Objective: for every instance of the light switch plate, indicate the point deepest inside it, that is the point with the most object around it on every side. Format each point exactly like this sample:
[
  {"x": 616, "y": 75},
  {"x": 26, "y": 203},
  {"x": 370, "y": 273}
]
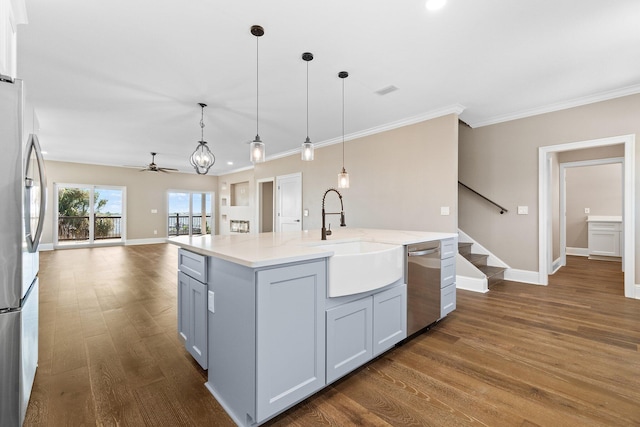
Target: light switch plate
[
  {"x": 154, "y": 210},
  {"x": 444, "y": 210},
  {"x": 523, "y": 210},
  {"x": 587, "y": 210}
]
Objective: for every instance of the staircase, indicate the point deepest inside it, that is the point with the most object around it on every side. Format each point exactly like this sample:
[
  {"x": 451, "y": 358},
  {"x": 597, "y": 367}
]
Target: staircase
[{"x": 494, "y": 274}]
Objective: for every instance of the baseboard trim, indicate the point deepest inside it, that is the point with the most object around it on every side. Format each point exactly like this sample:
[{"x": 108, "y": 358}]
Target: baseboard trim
[
  {"x": 133, "y": 242},
  {"x": 524, "y": 276},
  {"x": 472, "y": 284},
  {"x": 637, "y": 291},
  {"x": 555, "y": 266},
  {"x": 578, "y": 251}
]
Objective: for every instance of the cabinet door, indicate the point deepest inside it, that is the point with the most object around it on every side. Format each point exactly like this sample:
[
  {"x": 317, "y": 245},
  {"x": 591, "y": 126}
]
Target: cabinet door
[
  {"x": 606, "y": 243},
  {"x": 183, "y": 307},
  {"x": 198, "y": 338},
  {"x": 349, "y": 337},
  {"x": 290, "y": 335},
  {"x": 389, "y": 318}
]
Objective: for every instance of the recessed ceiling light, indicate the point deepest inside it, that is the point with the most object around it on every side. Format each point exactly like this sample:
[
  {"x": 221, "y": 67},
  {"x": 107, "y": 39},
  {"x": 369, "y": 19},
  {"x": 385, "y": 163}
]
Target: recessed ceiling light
[
  {"x": 229, "y": 163},
  {"x": 435, "y": 4},
  {"x": 386, "y": 90}
]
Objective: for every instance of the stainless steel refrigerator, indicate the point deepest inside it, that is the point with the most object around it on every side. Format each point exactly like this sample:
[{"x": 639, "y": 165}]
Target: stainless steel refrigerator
[{"x": 22, "y": 206}]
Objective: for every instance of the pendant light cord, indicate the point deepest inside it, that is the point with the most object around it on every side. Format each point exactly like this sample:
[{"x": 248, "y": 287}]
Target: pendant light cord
[
  {"x": 257, "y": 86},
  {"x": 202, "y": 125},
  {"x": 307, "y": 100},
  {"x": 343, "y": 124}
]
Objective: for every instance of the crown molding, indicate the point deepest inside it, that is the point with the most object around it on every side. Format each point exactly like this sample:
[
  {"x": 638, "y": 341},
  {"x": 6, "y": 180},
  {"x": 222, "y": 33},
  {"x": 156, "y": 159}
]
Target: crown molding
[
  {"x": 433, "y": 114},
  {"x": 577, "y": 102}
]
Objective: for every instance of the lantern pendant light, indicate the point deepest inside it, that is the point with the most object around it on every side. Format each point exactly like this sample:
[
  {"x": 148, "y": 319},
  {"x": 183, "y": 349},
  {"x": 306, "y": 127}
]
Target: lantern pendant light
[
  {"x": 307, "y": 145},
  {"x": 257, "y": 153},
  {"x": 202, "y": 158},
  {"x": 343, "y": 177}
]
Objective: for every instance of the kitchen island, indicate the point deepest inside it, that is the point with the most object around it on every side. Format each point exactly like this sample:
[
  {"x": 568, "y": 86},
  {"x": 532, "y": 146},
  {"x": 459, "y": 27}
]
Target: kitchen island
[{"x": 255, "y": 310}]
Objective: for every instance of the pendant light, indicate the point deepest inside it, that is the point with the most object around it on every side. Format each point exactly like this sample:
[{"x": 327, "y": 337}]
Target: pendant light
[
  {"x": 257, "y": 153},
  {"x": 343, "y": 177},
  {"x": 202, "y": 158},
  {"x": 307, "y": 145}
]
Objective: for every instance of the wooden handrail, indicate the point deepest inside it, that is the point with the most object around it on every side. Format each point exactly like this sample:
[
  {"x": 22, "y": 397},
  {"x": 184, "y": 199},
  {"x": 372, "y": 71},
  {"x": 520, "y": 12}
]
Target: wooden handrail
[{"x": 502, "y": 209}]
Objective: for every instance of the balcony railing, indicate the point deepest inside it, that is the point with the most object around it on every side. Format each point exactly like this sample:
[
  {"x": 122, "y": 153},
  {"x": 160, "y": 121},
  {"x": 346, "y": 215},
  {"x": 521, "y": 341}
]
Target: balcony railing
[
  {"x": 76, "y": 228},
  {"x": 179, "y": 225}
]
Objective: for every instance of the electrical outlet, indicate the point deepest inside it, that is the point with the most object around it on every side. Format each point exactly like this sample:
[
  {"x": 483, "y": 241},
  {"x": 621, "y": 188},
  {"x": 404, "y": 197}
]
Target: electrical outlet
[
  {"x": 155, "y": 231},
  {"x": 210, "y": 302},
  {"x": 587, "y": 210},
  {"x": 444, "y": 210},
  {"x": 523, "y": 210},
  {"x": 154, "y": 210}
]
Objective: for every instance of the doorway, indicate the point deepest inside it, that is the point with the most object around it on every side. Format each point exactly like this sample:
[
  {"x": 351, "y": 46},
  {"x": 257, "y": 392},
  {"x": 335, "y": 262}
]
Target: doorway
[
  {"x": 190, "y": 213},
  {"x": 266, "y": 201},
  {"x": 89, "y": 215},
  {"x": 589, "y": 187},
  {"x": 545, "y": 251}
]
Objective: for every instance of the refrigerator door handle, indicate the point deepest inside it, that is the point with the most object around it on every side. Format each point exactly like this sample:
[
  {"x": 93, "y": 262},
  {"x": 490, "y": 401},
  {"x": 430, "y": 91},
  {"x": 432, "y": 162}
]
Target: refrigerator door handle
[{"x": 33, "y": 240}]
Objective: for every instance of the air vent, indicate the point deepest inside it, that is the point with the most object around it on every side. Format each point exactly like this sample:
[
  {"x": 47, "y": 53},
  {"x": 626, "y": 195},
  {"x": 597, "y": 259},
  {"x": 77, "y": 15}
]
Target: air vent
[{"x": 386, "y": 90}]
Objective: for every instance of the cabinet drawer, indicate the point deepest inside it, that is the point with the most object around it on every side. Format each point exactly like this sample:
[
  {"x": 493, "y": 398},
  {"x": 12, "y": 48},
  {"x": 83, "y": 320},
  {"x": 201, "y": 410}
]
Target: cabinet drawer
[
  {"x": 447, "y": 272},
  {"x": 448, "y": 249},
  {"x": 193, "y": 265},
  {"x": 605, "y": 226},
  {"x": 447, "y": 299}
]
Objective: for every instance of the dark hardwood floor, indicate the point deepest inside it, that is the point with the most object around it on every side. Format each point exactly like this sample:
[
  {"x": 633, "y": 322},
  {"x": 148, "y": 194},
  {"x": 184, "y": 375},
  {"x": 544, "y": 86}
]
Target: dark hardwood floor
[{"x": 566, "y": 354}]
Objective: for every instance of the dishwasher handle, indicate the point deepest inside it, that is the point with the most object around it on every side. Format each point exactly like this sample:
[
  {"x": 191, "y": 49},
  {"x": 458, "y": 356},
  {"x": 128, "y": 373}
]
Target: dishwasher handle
[{"x": 423, "y": 252}]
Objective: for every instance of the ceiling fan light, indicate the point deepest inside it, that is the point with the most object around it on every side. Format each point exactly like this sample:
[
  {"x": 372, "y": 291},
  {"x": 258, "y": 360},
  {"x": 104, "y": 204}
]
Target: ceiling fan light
[
  {"x": 257, "y": 153},
  {"x": 307, "y": 150},
  {"x": 202, "y": 158}
]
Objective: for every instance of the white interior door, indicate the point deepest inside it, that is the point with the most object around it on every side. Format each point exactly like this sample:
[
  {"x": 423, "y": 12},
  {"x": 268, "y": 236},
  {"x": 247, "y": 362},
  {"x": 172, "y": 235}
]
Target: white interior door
[{"x": 289, "y": 202}]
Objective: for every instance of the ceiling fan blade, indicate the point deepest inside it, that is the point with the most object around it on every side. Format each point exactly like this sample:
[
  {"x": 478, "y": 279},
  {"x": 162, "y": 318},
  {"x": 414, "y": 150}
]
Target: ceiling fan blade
[{"x": 167, "y": 169}]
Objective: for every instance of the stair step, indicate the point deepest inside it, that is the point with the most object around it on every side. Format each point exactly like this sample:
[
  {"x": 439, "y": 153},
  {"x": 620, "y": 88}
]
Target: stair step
[
  {"x": 464, "y": 248},
  {"x": 494, "y": 274},
  {"x": 478, "y": 260}
]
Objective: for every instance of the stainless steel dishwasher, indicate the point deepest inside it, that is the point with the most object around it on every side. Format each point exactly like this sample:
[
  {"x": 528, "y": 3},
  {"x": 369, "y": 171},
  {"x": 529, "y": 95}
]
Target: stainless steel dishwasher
[{"x": 423, "y": 285}]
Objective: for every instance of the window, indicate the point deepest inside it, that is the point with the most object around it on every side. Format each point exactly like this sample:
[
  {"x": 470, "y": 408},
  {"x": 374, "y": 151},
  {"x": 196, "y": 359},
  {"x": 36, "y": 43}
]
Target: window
[
  {"x": 190, "y": 213},
  {"x": 89, "y": 215}
]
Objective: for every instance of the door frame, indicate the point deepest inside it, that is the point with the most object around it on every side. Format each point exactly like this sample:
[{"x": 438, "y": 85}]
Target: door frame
[
  {"x": 563, "y": 199},
  {"x": 545, "y": 240}
]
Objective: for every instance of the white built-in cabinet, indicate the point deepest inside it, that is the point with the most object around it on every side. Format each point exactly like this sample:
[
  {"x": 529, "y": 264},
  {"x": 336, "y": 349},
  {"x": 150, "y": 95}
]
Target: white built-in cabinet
[
  {"x": 605, "y": 236},
  {"x": 192, "y": 305}
]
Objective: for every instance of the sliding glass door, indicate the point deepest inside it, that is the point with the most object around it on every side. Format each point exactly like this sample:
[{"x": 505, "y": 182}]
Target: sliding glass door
[
  {"x": 190, "y": 213},
  {"x": 89, "y": 215}
]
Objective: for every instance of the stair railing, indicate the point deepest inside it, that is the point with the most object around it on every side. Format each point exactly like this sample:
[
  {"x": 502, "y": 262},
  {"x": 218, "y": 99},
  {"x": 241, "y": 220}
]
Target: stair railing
[{"x": 502, "y": 209}]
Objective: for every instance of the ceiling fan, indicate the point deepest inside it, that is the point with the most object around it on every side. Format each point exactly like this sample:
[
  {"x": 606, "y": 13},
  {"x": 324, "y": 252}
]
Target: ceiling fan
[{"x": 152, "y": 167}]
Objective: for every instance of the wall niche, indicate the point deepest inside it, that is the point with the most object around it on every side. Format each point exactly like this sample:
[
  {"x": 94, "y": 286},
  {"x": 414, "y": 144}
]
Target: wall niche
[{"x": 240, "y": 194}]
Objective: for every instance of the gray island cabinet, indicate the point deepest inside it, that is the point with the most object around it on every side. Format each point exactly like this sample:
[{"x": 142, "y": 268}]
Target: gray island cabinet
[
  {"x": 266, "y": 336},
  {"x": 273, "y": 335}
]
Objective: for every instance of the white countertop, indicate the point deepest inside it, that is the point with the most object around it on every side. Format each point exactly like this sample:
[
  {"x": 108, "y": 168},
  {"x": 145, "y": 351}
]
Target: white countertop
[
  {"x": 266, "y": 249},
  {"x": 600, "y": 218}
]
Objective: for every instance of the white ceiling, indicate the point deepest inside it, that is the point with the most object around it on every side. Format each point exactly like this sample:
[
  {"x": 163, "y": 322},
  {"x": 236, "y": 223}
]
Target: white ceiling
[{"x": 113, "y": 80}]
